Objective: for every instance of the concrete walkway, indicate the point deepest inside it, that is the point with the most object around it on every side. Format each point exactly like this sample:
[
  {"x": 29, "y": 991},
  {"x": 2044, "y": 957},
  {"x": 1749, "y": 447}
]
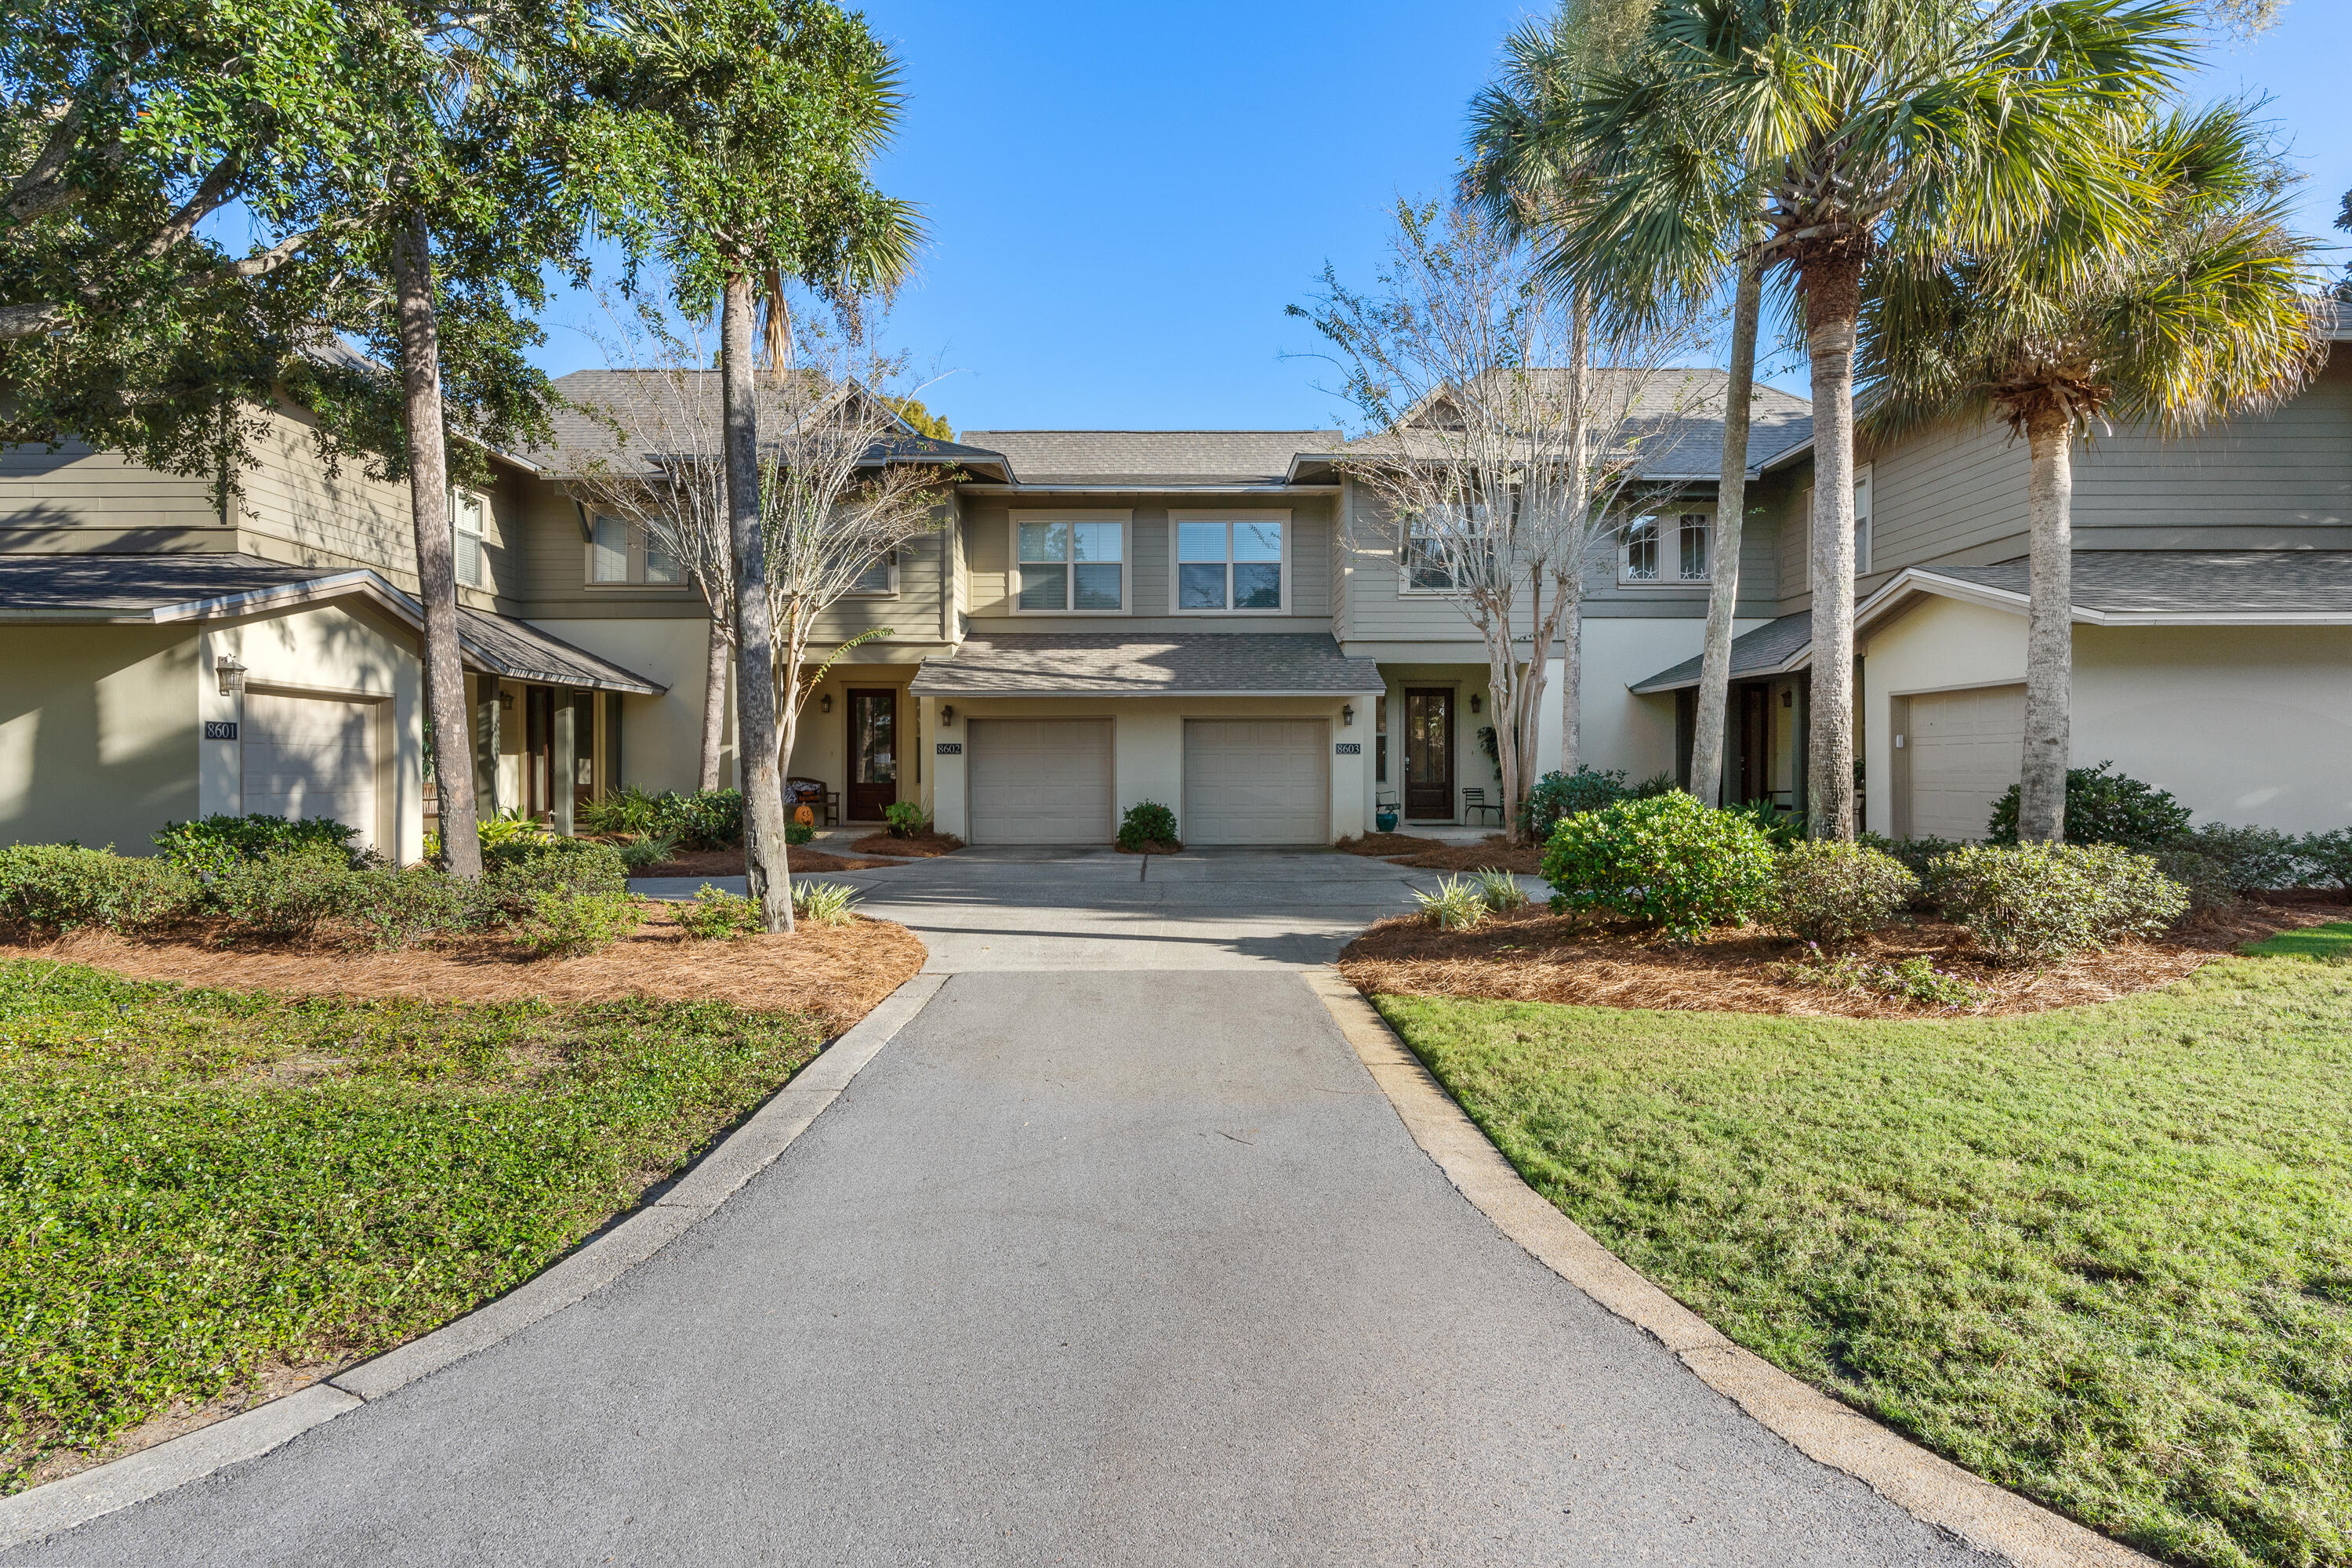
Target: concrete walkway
[{"x": 1096, "y": 1263}]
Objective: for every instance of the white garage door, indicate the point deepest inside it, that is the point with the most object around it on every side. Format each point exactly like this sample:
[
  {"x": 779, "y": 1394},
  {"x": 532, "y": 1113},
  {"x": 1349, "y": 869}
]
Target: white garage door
[
  {"x": 1256, "y": 781},
  {"x": 1039, "y": 781},
  {"x": 1964, "y": 751},
  {"x": 311, "y": 756}
]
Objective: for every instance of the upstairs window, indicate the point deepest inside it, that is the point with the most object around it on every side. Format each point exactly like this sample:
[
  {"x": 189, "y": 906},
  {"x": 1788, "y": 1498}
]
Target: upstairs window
[
  {"x": 620, "y": 553},
  {"x": 1436, "y": 546},
  {"x": 466, "y": 536},
  {"x": 882, "y": 577},
  {"x": 1660, "y": 548},
  {"x": 1229, "y": 563},
  {"x": 1069, "y": 565}
]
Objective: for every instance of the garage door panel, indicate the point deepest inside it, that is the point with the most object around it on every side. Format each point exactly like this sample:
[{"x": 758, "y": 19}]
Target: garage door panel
[
  {"x": 1965, "y": 749},
  {"x": 1256, "y": 781},
  {"x": 1039, "y": 781},
  {"x": 310, "y": 756}
]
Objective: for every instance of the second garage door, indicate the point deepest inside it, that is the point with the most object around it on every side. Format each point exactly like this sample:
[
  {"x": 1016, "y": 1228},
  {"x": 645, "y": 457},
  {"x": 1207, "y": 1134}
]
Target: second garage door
[
  {"x": 310, "y": 756},
  {"x": 1256, "y": 781},
  {"x": 1039, "y": 781},
  {"x": 1963, "y": 751}
]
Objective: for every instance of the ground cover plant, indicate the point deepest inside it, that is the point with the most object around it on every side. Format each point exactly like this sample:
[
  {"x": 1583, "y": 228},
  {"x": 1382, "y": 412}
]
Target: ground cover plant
[
  {"x": 2100, "y": 1255},
  {"x": 201, "y": 1185}
]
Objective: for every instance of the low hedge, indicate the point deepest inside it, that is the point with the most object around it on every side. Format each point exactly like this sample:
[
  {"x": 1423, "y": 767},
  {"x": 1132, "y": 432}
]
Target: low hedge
[
  {"x": 1667, "y": 861},
  {"x": 1827, "y": 891},
  {"x": 64, "y": 887},
  {"x": 2039, "y": 903}
]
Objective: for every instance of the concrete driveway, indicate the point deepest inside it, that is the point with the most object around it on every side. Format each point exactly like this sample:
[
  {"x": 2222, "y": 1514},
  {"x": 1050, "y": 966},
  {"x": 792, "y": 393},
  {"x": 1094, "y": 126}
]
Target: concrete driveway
[{"x": 1116, "y": 1254}]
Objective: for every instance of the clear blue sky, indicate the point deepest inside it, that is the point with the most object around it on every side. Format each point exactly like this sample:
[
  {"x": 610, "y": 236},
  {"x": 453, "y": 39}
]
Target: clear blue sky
[{"x": 1122, "y": 198}]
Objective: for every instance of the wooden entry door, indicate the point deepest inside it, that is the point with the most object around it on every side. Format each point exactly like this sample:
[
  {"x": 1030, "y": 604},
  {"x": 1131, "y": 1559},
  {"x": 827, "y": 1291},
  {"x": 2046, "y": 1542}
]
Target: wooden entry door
[
  {"x": 1429, "y": 752},
  {"x": 872, "y": 753},
  {"x": 1755, "y": 744}
]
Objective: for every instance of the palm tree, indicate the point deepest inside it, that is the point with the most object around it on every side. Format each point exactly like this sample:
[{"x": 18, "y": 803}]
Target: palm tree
[
  {"x": 1865, "y": 128},
  {"x": 2198, "y": 304}
]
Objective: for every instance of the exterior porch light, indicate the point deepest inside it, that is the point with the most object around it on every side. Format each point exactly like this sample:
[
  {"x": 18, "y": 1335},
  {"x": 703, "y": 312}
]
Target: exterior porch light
[
  {"x": 232, "y": 676},
  {"x": 1477, "y": 701},
  {"x": 824, "y": 704},
  {"x": 947, "y": 714},
  {"x": 1347, "y": 713}
]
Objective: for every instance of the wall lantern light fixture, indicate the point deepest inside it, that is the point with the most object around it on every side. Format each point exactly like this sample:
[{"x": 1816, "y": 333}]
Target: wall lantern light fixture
[
  {"x": 947, "y": 714},
  {"x": 232, "y": 676},
  {"x": 1476, "y": 702},
  {"x": 1347, "y": 713},
  {"x": 824, "y": 704}
]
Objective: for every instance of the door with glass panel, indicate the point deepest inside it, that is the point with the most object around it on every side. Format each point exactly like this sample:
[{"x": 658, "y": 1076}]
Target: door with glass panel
[
  {"x": 1429, "y": 752},
  {"x": 872, "y": 753},
  {"x": 1229, "y": 563},
  {"x": 1072, "y": 564}
]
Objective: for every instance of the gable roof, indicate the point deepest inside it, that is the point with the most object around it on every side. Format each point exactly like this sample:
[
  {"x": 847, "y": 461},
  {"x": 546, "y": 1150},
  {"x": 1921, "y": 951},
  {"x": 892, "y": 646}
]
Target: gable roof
[
  {"x": 167, "y": 589},
  {"x": 1152, "y": 457}
]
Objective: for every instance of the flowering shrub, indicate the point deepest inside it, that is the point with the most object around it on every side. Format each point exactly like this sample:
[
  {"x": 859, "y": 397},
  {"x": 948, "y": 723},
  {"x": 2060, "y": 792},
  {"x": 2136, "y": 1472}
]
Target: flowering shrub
[{"x": 1667, "y": 860}]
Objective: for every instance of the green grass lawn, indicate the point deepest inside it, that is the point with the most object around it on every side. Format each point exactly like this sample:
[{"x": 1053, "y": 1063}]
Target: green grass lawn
[
  {"x": 2102, "y": 1255},
  {"x": 196, "y": 1184}
]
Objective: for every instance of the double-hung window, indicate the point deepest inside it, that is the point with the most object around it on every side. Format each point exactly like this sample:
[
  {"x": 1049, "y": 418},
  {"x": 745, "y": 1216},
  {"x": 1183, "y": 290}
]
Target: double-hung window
[
  {"x": 623, "y": 552},
  {"x": 1229, "y": 563},
  {"x": 1667, "y": 548},
  {"x": 1069, "y": 564},
  {"x": 466, "y": 535},
  {"x": 882, "y": 577},
  {"x": 1439, "y": 545}
]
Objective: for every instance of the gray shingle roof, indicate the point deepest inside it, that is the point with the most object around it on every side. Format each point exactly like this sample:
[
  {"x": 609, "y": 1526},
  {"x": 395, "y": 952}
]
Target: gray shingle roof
[
  {"x": 1764, "y": 649},
  {"x": 1132, "y": 664},
  {"x": 2191, "y": 582},
  {"x": 1152, "y": 456},
  {"x": 185, "y": 587}
]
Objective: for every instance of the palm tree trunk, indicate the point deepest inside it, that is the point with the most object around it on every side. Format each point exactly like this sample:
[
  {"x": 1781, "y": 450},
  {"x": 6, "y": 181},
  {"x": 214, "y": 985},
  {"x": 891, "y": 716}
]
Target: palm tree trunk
[
  {"x": 436, "y": 564},
  {"x": 1731, "y": 509},
  {"x": 765, "y": 867},
  {"x": 1571, "y": 671},
  {"x": 714, "y": 703},
  {"x": 2049, "y": 631},
  {"x": 1832, "y": 290}
]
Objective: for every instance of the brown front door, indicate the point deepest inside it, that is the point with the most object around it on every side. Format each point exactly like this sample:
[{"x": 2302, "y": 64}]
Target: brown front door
[
  {"x": 872, "y": 753},
  {"x": 1429, "y": 753},
  {"x": 538, "y": 750},
  {"x": 1755, "y": 744}
]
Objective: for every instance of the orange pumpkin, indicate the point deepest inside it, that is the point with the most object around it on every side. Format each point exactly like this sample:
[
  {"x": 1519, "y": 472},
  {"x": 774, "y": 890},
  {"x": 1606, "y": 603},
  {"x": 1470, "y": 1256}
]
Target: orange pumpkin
[{"x": 804, "y": 816}]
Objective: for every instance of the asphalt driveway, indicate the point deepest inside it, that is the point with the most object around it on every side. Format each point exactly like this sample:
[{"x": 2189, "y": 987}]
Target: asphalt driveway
[{"x": 1094, "y": 1264}]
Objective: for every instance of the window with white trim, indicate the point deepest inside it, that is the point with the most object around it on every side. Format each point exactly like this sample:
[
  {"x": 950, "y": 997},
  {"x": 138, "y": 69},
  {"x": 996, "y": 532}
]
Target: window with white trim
[
  {"x": 881, "y": 578},
  {"x": 1662, "y": 547},
  {"x": 1229, "y": 563},
  {"x": 466, "y": 535},
  {"x": 622, "y": 553},
  {"x": 1432, "y": 543},
  {"x": 1068, "y": 565}
]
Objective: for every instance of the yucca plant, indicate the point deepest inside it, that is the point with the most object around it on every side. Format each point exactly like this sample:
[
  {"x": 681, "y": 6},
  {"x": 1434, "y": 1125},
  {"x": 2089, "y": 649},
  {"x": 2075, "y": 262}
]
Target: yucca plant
[
  {"x": 1499, "y": 890},
  {"x": 1454, "y": 906},
  {"x": 824, "y": 903}
]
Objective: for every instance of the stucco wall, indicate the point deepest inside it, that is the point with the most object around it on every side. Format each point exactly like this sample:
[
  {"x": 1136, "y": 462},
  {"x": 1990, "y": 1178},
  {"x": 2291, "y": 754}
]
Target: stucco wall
[
  {"x": 97, "y": 733},
  {"x": 661, "y": 737},
  {"x": 1937, "y": 645},
  {"x": 329, "y": 651},
  {"x": 1148, "y": 748}
]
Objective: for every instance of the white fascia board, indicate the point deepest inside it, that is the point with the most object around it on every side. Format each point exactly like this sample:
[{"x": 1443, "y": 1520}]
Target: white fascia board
[
  {"x": 1101, "y": 694},
  {"x": 1919, "y": 580},
  {"x": 334, "y": 585}
]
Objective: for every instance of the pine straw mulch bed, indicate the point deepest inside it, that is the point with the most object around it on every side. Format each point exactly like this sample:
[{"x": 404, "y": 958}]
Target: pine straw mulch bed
[
  {"x": 835, "y": 975},
  {"x": 730, "y": 863},
  {"x": 1533, "y": 955},
  {"x": 917, "y": 846},
  {"x": 1493, "y": 852}
]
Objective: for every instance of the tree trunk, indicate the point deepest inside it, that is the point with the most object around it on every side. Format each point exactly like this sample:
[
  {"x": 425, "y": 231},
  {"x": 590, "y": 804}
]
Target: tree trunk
[
  {"x": 437, "y": 565},
  {"x": 1579, "y": 461},
  {"x": 765, "y": 865},
  {"x": 1730, "y": 514},
  {"x": 1571, "y": 672},
  {"x": 714, "y": 703},
  {"x": 1832, "y": 302},
  {"x": 2049, "y": 631}
]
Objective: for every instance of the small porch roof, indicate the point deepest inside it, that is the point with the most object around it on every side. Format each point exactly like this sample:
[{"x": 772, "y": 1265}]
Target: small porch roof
[
  {"x": 160, "y": 589},
  {"x": 1132, "y": 664},
  {"x": 2111, "y": 588}
]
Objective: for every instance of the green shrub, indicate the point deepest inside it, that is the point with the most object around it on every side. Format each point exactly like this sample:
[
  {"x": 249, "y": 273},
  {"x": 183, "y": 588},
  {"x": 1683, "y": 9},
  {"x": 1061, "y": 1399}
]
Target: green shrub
[
  {"x": 1913, "y": 980},
  {"x": 2038, "y": 903},
  {"x": 1832, "y": 892},
  {"x": 210, "y": 843},
  {"x": 2206, "y": 880},
  {"x": 646, "y": 851},
  {"x": 1146, "y": 825},
  {"x": 574, "y": 924},
  {"x": 798, "y": 833},
  {"x": 1666, "y": 860},
  {"x": 707, "y": 819},
  {"x": 627, "y": 810},
  {"x": 1454, "y": 906},
  {"x": 64, "y": 887},
  {"x": 1913, "y": 854},
  {"x": 1558, "y": 794},
  {"x": 298, "y": 895},
  {"x": 1499, "y": 890},
  {"x": 718, "y": 915},
  {"x": 1778, "y": 823},
  {"x": 2251, "y": 860},
  {"x": 2327, "y": 858},
  {"x": 906, "y": 818},
  {"x": 396, "y": 906},
  {"x": 2103, "y": 807},
  {"x": 510, "y": 832},
  {"x": 823, "y": 904}
]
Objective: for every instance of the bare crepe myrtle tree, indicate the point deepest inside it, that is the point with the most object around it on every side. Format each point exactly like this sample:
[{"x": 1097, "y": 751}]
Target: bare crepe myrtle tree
[
  {"x": 845, "y": 485},
  {"x": 659, "y": 467},
  {"x": 1498, "y": 446}
]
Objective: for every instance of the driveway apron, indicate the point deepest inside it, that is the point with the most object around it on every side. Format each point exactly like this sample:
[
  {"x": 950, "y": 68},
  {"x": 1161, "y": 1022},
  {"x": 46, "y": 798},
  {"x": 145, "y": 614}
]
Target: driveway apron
[{"x": 1096, "y": 1263}]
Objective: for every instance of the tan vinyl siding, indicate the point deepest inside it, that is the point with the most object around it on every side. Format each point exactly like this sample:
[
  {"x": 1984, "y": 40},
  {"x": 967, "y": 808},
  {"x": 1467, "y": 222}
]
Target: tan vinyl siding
[
  {"x": 987, "y": 547},
  {"x": 912, "y": 613},
  {"x": 75, "y": 498}
]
